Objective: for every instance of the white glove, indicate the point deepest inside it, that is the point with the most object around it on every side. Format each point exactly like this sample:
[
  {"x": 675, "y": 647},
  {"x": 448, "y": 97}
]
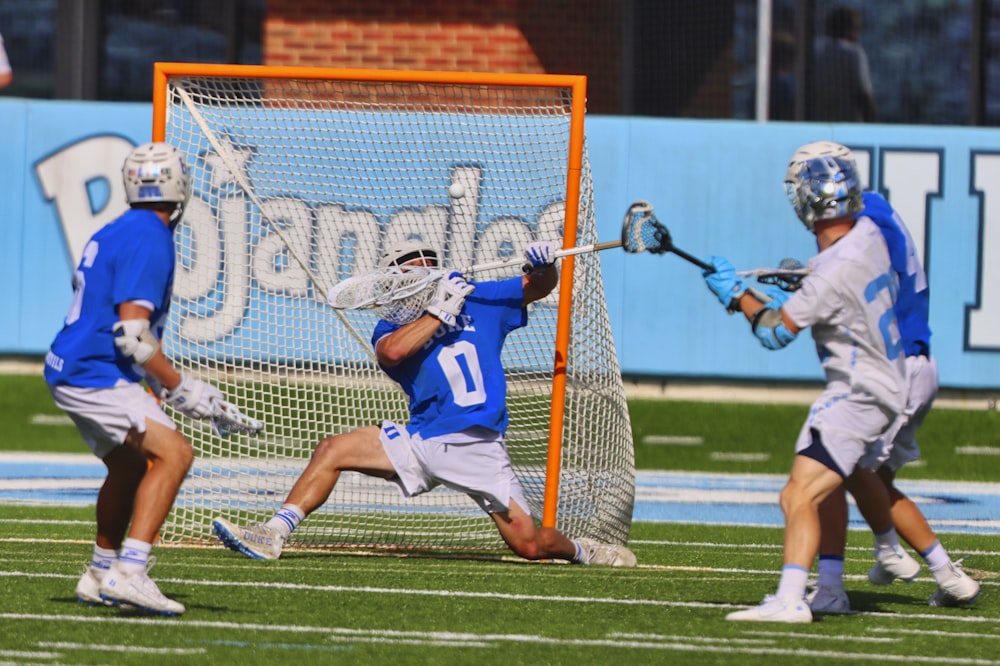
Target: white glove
[
  {"x": 192, "y": 398},
  {"x": 539, "y": 256},
  {"x": 449, "y": 298}
]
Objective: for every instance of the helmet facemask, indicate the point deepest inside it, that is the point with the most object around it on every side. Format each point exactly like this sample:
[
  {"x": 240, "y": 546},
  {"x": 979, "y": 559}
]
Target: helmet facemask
[{"x": 824, "y": 186}]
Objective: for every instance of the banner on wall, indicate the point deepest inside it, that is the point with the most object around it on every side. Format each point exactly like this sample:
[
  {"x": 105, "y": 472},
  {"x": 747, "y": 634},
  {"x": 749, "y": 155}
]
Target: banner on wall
[{"x": 716, "y": 184}]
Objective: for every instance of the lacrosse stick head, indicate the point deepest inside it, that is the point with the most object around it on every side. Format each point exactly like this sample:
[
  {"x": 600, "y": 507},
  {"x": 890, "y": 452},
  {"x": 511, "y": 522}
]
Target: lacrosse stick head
[
  {"x": 642, "y": 232},
  {"x": 822, "y": 183},
  {"x": 788, "y": 276},
  {"x": 398, "y": 294}
]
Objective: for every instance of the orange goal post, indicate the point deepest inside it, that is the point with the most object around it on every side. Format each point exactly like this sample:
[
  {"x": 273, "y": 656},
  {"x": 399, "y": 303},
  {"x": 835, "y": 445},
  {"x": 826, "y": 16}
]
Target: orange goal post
[{"x": 301, "y": 176}]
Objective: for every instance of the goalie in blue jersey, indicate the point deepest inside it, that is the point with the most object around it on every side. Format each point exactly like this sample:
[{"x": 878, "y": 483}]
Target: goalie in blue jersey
[
  {"x": 448, "y": 362},
  {"x": 109, "y": 344}
]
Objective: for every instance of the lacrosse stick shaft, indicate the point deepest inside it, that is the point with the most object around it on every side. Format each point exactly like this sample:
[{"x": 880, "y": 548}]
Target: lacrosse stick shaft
[
  {"x": 693, "y": 259},
  {"x": 580, "y": 249}
]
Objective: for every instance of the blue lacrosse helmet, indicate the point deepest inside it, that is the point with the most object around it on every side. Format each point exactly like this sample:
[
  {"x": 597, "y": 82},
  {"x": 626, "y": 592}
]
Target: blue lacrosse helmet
[{"x": 822, "y": 183}]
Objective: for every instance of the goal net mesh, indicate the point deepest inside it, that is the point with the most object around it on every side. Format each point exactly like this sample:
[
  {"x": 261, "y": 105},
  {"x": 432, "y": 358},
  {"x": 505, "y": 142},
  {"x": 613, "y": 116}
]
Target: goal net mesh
[{"x": 299, "y": 183}]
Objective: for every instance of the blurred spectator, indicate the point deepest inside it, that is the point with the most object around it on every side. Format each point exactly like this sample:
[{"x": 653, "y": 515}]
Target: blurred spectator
[
  {"x": 841, "y": 86},
  {"x": 6, "y": 73}
]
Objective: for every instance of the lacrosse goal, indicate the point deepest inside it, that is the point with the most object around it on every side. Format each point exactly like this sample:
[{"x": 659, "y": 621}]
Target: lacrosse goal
[{"x": 301, "y": 176}]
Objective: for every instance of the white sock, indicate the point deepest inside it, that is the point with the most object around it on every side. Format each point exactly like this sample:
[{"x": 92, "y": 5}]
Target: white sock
[
  {"x": 134, "y": 555},
  {"x": 937, "y": 559},
  {"x": 886, "y": 543},
  {"x": 287, "y": 519},
  {"x": 793, "y": 581},
  {"x": 103, "y": 558}
]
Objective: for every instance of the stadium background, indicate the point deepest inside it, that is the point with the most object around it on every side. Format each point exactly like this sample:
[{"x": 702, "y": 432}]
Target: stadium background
[{"x": 670, "y": 101}]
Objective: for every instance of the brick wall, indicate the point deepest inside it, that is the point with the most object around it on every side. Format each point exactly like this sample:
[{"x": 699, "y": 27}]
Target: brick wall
[{"x": 522, "y": 36}]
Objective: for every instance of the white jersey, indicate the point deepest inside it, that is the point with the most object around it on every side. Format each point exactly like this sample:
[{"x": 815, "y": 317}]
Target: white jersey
[{"x": 847, "y": 300}]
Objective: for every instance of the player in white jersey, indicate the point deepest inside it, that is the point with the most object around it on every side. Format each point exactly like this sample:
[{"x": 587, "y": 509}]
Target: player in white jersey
[
  {"x": 847, "y": 300},
  {"x": 448, "y": 362},
  {"x": 109, "y": 343},
  {"x": 955, "y": 587}
]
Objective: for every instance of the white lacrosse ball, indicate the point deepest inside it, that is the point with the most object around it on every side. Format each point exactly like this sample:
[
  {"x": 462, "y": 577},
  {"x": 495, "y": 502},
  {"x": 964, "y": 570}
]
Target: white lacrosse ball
[{"x": 456, "y": 191}]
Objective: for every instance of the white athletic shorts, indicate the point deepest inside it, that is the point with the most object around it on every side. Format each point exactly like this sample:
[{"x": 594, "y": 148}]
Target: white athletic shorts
[
  {"x": 849, "y": 430},
  {"x": 105, "y": 415},
  {"x": 923, "y": 388},
  {"x": 474, "y": 462}
]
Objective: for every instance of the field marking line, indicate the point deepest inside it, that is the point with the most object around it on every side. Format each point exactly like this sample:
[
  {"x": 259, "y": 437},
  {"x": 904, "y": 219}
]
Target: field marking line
[{"x": 465, "y": 640}]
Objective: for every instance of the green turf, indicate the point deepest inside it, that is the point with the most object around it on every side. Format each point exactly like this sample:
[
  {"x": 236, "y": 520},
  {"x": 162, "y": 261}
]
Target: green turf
[
  {"x": 317, "y": 607},
  {"x": 321, "y": 607}
]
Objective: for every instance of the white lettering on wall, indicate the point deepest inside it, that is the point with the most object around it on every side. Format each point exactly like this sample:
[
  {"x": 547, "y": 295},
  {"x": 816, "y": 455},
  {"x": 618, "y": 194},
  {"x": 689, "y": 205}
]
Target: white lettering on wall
[
  {"x": 983, "y": 319},
  {"x": 65, "y": 177},
  {"x": 911, "y": 179}
]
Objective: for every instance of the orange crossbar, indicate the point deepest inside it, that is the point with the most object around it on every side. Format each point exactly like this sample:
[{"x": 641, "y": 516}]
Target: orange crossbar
[{"x": 162, "y": 71}]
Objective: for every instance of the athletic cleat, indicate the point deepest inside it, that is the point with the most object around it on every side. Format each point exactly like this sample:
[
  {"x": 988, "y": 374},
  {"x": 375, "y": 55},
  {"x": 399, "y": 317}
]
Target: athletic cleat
[
  {"x": 829, "y": 601},
  {"x": 258, "y": 542},
  {"x": 88, "y": 590},
  {"x": 594, "y": 552},
  {"x": 137, "y": 590},
  {"x": 958, "y": 588},
  {"x": 896, "y": 565},
  {"x": 790, "y": 609}
]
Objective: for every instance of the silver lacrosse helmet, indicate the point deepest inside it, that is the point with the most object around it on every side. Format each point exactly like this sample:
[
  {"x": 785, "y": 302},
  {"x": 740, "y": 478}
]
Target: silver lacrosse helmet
[
  {"x": 156, "y": 172},
  {"x": 822, "y": 182},
  {"x": 405, "y": 251}
]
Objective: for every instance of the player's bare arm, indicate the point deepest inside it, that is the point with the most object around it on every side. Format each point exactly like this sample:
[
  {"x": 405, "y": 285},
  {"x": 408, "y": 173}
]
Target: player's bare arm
[{"x": 402, "y": 343}]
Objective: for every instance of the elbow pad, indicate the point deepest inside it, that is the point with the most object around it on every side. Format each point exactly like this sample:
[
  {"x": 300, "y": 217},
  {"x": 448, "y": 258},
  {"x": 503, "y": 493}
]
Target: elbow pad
[
  {"x": 770, "y": 330},
  {"x": 135, "y": 341}
]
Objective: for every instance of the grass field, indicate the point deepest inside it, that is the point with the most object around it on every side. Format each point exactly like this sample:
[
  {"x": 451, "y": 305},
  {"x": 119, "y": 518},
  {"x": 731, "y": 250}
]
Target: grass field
[{"x": 320, "y": 607}]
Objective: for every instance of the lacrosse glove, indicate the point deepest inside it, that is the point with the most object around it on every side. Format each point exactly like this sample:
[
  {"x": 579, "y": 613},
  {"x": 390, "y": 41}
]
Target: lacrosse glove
[
  {"x": 724, "y": 283},
  {"x": 538, "y": 256},
  {"x": 449, "y": 298},
  {"x": 192, "y": 397}
]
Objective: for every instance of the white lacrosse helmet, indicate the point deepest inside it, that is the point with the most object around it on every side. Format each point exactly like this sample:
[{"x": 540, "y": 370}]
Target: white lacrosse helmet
[
  {"x": 406, "y": 251},
  {"x": 822, "y": 183},
  {"x": 156, "y": 172}
]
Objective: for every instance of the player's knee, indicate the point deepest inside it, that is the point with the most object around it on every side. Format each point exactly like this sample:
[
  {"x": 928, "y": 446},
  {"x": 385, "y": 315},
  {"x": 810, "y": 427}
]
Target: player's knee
[
  {"x": 327, "y": 450},
  {"x": 529, "y": 549}
]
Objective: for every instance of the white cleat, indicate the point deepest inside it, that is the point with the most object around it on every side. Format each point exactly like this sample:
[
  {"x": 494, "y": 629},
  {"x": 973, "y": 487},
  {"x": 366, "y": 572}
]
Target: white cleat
[
  {"x": 88, "y": 590},
  {"x": 829, "y": 601},
  {"x": 258, "y": 542},
  {"x": 138, "y": 590},
  {"x": 595, "y": 552},
  {"x": 897, "y": 565},
  {"x": 788, "y": 609},
  {"x": 957, "y": 589}
]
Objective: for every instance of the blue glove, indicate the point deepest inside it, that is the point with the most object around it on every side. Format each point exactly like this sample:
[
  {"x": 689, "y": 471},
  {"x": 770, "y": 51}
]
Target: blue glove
[{"x": 724, "y": 282}]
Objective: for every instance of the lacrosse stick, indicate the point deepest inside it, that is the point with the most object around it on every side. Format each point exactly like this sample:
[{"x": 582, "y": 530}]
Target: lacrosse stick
[
  {"x": 788, "y": 275},
  {"x": 642, "y": 232},
  {"x": 398, "y": 295},
  {"x": 228, "y": 419},
  {"x": 401, "y": 295}
]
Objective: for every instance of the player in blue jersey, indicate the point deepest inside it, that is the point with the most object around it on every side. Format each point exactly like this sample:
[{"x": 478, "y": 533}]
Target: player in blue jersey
[
  {"x": 109, "y": 343},
  {"x": 448, "y": 362},
  {"x": 955, "y": 587},
  {"x": 847, "y": 302}
]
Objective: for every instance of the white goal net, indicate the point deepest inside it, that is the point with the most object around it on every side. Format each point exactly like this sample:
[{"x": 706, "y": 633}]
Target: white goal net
[{"x": 300, "y": 179}]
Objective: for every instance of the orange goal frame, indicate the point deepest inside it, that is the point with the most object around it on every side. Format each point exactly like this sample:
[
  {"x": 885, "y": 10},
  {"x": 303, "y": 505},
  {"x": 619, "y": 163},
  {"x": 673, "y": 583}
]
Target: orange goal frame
[{"x": 163, "y": 71}]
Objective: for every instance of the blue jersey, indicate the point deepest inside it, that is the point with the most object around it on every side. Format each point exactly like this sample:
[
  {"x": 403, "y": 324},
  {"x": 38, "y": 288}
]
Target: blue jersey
[
  {"x": 457, "y": 381},
  {"x": 130, "y": 259},
  {"x": 913, "y": 301}
]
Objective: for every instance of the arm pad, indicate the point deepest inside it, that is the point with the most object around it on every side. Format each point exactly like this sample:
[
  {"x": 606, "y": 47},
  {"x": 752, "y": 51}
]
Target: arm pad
[
  {"x": 769, "y": 328},
  {"x": 135, "y": 341}
]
